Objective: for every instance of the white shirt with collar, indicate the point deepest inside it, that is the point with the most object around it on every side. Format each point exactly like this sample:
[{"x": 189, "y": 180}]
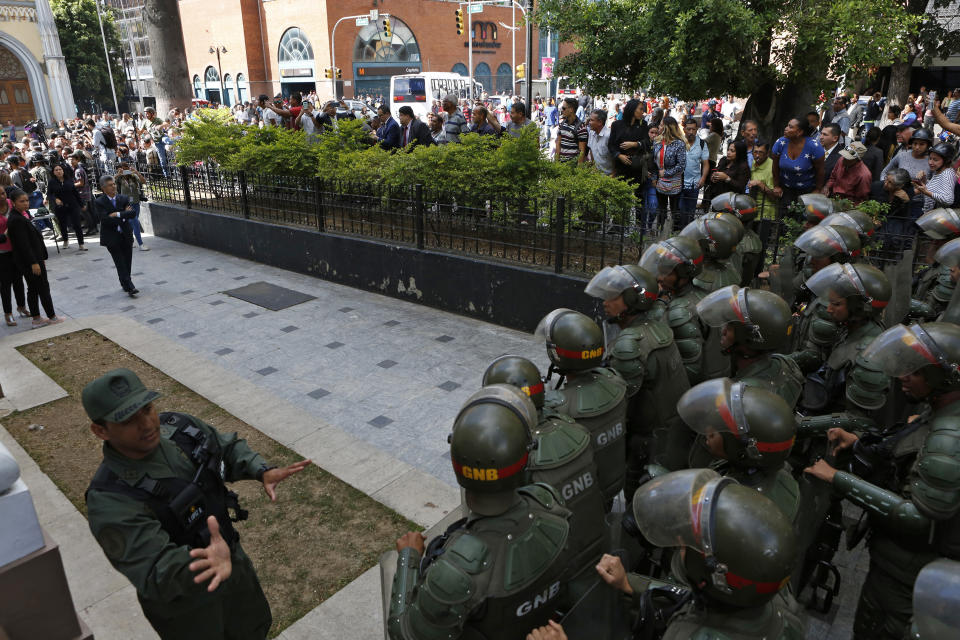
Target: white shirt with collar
[{"x": 599, "y": 149}]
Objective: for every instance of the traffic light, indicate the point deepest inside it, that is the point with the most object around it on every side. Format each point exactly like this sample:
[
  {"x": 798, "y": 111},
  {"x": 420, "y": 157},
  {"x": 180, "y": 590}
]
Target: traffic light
[
  {"x": 328, "y": 73},
  {"x": 386, "y": 27},
  {"x": 459, "y": 22},
  {"x": 339, "y": 73},
  {"x": 521, "y": 71}
]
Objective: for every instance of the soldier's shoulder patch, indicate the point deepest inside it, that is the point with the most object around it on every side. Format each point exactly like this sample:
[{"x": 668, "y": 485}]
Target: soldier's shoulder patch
[{"x": 112, "y": 542}]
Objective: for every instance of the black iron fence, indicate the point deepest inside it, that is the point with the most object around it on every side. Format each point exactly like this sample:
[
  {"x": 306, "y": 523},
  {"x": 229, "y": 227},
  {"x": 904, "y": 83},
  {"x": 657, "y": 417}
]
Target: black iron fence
[{"x": 561, "y": 234}]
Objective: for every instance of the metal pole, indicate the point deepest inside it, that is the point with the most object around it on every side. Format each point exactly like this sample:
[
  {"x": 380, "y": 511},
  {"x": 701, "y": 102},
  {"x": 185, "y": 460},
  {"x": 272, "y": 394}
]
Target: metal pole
[
  {"x": 470, "y": 49},
  {"x": 529, "y": 87},
  {"x": 223, "y": 94},
  {"x": 106, "y": 55},
  {"x": 133, "y": 57},
  {"x": 333, "y": 60},
  {"x": 513, "y": 53}
]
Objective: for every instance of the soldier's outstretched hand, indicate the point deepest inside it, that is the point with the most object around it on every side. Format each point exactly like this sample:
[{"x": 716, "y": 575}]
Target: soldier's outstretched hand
[
  {"x": 273, "y": 477},
  {"x": 213, "y": 562},
  {"x": 552, "y": 631},
  {"x": 611, "y": 570},
  {"x": 411, "y": 539}
]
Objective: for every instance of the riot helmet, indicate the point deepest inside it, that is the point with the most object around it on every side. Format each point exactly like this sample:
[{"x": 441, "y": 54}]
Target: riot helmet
[
  {"x": 740, "y": 548},
  {"x": 717, "y": 236},
  {"x": 637, "y": 286},
  {"x": 680, "y": 254},
  {"x": 945, "y": 151},
  {"x": 816, "y": 207},
  {"x": 490, "y": 446},
  {"x": 949, "y": 254},
  {"x": 866, "y": 289},
  {"x": 922, "y": 135},
  {"x": 931, "y": 348},
  {"x": 761, "y": 320},
  {"x": 829, "y": 241},
  {"x": 936, "y": 601},
  {"x": 859, "y": 221},
  {"x": 757, "y": 426},
  {"x": 940, "y": 224},
  {"x": 519, "y": 372},
  {"x": 574, "y": 341},
  {"x": 739, "y": 204}
]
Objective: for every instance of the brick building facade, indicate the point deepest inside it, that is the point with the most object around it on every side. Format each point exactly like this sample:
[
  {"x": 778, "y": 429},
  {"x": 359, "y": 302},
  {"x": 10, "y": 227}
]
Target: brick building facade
[{"x": 281, "y": 46}]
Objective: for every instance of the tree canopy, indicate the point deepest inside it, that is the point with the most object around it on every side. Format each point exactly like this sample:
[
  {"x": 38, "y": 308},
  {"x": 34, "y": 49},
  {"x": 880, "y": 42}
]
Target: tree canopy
[
  {"x": 83, "y": 51},
  {"x": 701, "y": 48}
]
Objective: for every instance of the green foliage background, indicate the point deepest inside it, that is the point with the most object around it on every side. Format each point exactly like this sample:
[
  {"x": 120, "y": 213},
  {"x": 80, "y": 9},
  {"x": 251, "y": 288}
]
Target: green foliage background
[
  {"x": 480, "y": 169},
  {"x": 83, "y": 52}
]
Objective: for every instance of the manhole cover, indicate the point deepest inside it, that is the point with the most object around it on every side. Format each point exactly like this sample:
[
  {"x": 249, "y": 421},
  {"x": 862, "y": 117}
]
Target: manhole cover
[{"x": 269, "y": 296}]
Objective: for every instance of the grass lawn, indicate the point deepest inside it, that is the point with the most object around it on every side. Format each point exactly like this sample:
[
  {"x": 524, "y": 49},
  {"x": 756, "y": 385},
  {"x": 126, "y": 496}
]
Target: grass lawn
[{"x": 319, "y": 535}]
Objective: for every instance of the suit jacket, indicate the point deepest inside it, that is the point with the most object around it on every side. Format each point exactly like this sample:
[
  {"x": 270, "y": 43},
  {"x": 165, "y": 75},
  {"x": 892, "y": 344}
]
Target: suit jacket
[
  {"x": 26, "y": 241},
  {"x": 830, "y": 161},
  {"x": 419, "y": 134},
  {"x": 389, "y": 134},
  {"x": 114, "y": 231}
]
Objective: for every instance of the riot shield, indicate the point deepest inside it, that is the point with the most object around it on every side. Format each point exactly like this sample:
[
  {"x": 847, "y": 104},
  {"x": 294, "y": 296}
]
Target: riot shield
[
  {"x": 388, "y": 569},
  {"x": 952, "y": 312},
  {"x": 900, "y": 275}
]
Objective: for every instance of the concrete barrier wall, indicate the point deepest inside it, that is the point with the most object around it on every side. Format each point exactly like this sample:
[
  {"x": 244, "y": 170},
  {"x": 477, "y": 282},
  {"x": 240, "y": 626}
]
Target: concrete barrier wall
[{"x": 505, "y": 294}]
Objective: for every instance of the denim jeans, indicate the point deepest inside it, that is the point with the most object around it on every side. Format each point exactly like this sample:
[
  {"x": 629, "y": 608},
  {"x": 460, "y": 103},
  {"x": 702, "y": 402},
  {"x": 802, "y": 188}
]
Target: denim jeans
[
  {"x": 135, "y": 221},
  {"x": 688, "y": 206}
]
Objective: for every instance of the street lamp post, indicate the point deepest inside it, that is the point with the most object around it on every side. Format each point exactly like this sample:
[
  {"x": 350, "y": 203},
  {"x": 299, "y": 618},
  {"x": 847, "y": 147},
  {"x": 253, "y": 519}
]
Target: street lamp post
[
  {"x": 218, "y": 51},
  {"x": 106, "y": 54}
]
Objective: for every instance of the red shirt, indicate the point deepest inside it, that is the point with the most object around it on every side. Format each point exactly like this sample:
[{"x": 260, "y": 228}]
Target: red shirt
[
  {"x": 295, "y": 117},
  {"x": 852, "y": 183}
]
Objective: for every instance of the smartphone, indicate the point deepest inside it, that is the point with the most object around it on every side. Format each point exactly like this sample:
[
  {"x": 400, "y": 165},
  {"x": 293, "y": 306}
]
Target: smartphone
[{"x": 932, "y": 95}]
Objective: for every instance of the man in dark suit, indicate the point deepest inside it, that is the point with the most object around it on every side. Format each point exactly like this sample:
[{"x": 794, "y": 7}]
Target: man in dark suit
[
  {"x": 830, "y": 139},
  {"x": 389, "y": 132},
  {"x": 115, "y": 212},
  {"x": 412, "y": 130}
]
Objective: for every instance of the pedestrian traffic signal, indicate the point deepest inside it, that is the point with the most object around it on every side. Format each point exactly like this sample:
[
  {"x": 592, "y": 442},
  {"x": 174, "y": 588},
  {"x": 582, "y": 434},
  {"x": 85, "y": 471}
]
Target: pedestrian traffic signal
[
  {"x": 338, "y": 72},
  {"x": 459, "y": 22},
  {"x": 386, "y": 27},
  {"x": 521, "y": 71},
  {"x": 328, "y": 73}
]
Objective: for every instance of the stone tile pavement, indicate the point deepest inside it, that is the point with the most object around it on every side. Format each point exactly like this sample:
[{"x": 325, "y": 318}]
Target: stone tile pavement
[{"x": 365, "y": 384}]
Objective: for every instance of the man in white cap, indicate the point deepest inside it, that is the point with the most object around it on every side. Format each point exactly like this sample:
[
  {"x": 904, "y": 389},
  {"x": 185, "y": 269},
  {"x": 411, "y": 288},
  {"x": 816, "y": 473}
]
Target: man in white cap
[
  {"x": 850, "y": 179},
  {"x": 454, "y": 122}
]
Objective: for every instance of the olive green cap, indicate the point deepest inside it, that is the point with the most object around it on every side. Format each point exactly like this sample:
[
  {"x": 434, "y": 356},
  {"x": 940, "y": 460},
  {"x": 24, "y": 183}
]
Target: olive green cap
[{"x": 116, "y": 396}]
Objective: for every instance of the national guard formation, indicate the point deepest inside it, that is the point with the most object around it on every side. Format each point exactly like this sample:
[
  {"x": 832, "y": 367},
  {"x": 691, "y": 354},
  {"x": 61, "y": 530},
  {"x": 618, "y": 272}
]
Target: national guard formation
[{"x": 683, "y": 468}]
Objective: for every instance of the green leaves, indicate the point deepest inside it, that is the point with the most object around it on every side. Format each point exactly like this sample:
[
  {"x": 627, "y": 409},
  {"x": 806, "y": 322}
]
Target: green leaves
[{"x": 83, "y": 51}]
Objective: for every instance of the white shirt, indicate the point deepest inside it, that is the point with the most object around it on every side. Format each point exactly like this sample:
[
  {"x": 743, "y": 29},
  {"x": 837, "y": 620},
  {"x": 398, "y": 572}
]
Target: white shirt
[
  {"x": 307, "y": 123},
  {"x": 271, "y": 117},
  {"x": 599, "y": 149}
]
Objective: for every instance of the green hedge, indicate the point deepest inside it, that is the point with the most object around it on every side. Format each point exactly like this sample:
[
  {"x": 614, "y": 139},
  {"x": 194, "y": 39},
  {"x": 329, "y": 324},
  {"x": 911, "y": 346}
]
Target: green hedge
[{"x": 479, "y": 169}]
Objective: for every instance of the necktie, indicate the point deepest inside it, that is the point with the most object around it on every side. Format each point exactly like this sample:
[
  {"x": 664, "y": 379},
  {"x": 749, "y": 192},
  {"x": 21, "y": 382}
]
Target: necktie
[
  {"x": 405, "y": 130},
  {"x": 113, "y": 201}
]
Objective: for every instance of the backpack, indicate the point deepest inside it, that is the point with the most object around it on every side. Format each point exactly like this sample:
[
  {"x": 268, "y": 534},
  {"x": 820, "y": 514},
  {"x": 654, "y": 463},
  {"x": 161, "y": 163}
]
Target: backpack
[{"x": 109, "y": 138}]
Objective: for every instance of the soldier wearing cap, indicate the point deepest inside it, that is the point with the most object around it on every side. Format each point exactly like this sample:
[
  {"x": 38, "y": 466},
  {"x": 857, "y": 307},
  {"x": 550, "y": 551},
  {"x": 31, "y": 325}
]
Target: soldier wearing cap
[{"x": 160, "y": 510}]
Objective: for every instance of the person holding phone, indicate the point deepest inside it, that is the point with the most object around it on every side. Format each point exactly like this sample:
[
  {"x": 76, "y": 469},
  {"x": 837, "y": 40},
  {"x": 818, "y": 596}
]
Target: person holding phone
[{"x": 936, "y": 184}]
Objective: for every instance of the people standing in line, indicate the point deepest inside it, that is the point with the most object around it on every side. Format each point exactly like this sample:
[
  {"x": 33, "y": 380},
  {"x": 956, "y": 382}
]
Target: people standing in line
[
  {"x": 29, "y": 254},
  {"x": 695, "y": 171},
  {"x": 670, "y": 156},
  {"x": 797, "y": 164},
  {"x": 571, "y": 134},
  {"x": 10, "y": 276},
  {"x": 115, "y": 212},
  {"x": 130, "y": 183},
  {"x": 63, "y": 198},
  {"x": 598, "y": 141}
]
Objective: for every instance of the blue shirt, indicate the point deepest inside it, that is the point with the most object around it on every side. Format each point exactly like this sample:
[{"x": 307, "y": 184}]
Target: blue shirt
[
  {"x": 696, "y": 154},
  {"x": 798, "y": 174},
  {"x": 552, "y": 115}
]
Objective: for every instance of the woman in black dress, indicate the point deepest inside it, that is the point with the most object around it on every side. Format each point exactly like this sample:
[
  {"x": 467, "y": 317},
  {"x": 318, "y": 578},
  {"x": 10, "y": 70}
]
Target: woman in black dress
[
  {"x": 630, "y": 147},
  {"x": 63, "y": 197},
  {"x": 732, "y": 174}
]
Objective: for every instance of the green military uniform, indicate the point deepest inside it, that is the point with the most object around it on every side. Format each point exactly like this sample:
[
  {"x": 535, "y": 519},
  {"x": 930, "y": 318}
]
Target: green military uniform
[
  {"x": 502, "y": 570},
  {"x": 688, "y": 333},
  {"x": 724, "y": 525},
  {"x": 816, "y": 333},
  {"x": 775, "y": 372},
  {"x": 920, "y": 520},
  {"x": 593, "y": 396},
  {"x": 748, "y": 255},
  {"x": 933, "y": 293},
  {"x": 126, "y": 508}
]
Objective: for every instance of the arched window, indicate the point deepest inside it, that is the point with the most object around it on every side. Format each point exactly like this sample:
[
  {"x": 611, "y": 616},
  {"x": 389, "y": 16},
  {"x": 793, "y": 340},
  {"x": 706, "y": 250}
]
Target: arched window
[
  {"x": 197, "y": 87},
  {"x": 243, "y": 89},
  {"x": 372, "y": 45},
  {"x": 504, "y": 79},
  {"x": 211, "y": 75},
  {"x": 295, "y": 46},
  {"x": 482, "y": 75},
  {"x": 228, "y": 90},
  {"x": 461, "y": 69}
]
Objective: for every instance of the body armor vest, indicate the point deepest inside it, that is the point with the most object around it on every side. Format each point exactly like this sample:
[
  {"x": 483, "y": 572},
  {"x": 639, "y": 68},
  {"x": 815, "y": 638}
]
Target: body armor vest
[
  {"x": 182, "y": 506},
  {"x": 776, "y": 373}
]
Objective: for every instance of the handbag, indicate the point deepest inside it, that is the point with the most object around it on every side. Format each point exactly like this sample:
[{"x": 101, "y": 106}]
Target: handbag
[{"x": 669, "y": 184}]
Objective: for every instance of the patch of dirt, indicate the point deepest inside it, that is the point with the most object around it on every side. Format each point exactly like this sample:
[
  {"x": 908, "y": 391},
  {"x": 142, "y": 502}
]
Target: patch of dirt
[{"x": 319, "y": 535}]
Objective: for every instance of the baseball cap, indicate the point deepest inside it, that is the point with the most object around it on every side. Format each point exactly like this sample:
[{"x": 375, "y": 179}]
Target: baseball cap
[
  {"x": 854, "y": 151},
  {"x": 913, "y": 124},
  {"x": 116, "y": 396}
]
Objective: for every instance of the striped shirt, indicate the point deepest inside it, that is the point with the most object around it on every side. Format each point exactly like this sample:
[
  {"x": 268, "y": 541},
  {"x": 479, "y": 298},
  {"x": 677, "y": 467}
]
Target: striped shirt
[
  {"x": 454, "y": 125},
  {"x": 570, "y": 136}
]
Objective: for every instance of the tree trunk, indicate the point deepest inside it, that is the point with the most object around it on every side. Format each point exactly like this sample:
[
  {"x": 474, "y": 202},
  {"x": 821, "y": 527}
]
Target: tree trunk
[
  {"x": 168, "y": 55},
  {"x": 900, "y": 81},
  {"x": 772, "y": 110}
]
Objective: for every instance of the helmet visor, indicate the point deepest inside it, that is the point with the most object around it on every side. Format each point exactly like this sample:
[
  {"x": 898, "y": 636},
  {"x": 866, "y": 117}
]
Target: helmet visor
[
  {"x": 715, "y": 406},
  {"x": 949, "y": 254},
  {"x": 901, "y": 350},
  {"x": 662, "y": 258},
  {"x": 674, "y": 509},
  {"x": 842, "y": 279},
  {"x": 609, "y": 283},
  {"x": 940, "y": 223},
  {"x": 821, "y": 241},
  {"x": 817, "y": 205},
  {"x": 936, "y": 600},
  {"x": 543, "y": 329},
  {"x": 856, "y": 220},
  {"x": 724, "y": 305}
]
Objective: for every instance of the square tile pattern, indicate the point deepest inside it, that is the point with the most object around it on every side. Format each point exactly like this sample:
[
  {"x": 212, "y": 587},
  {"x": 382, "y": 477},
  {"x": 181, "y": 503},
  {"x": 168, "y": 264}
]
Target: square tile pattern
[
  {"x": 444, "y": 339},
  {"x": 289, "y": 329},
  {"x": 333, "y": 345},
  {"x": 266, "y": 371},
  {"x": 386, "y": 364},
  {"x": 449, "y": 385},
  {"x": 224, "y": 351},
  {"x": 316, "y": 394},
  {"x": 380, "y": 422},
  {"x": 188, "y": 334},
  {"x": 269, "y": 296}
]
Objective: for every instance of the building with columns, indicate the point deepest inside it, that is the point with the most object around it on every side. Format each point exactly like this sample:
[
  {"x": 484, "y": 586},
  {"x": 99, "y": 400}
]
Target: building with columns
[{"x": 33, "y": 75}]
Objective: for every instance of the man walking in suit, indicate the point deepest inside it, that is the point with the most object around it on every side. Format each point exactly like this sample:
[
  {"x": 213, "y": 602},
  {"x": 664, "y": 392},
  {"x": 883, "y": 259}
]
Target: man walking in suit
[
  {"x": 412, "y": 130},
  {"x": 389, "y": 132},
  {"x": 115, "y": 212}
]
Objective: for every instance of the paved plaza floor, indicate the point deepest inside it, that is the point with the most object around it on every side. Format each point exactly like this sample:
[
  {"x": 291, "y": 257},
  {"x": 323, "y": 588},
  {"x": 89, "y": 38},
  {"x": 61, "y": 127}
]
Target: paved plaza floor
[{"x": 375, "y": 370}]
